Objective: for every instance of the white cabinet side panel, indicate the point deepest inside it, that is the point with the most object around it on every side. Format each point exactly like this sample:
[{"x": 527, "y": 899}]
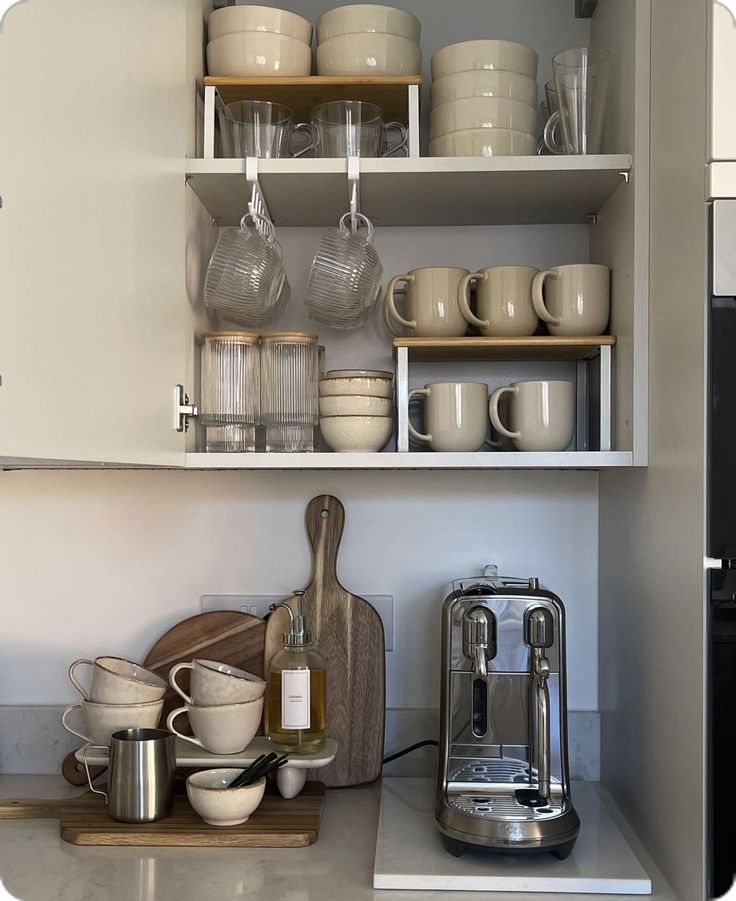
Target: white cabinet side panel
[
  {"x": 651, "y": 626},
  {"x": 92, "y": 230}
]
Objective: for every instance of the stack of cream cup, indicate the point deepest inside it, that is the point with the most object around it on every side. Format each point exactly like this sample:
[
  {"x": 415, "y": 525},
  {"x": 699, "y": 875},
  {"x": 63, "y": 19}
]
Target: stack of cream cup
[{"x": 484, "y": 100}]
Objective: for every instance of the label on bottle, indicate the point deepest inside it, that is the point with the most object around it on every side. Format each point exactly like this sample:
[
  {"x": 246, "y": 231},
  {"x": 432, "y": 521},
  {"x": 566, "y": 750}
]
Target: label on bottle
[{"x": 295, "y": 713}]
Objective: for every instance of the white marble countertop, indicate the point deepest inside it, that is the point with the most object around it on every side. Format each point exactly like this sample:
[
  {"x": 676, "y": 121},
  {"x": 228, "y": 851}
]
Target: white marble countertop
[{"x": 36, "y": 865}]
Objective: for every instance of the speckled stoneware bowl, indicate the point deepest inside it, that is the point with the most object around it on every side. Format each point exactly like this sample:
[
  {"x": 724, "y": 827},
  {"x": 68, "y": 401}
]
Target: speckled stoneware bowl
[
  {"x": 356, "y": 434},
  {"x": 374, "y": 386},
  {"x": 219, "y": 805},
  {"x": 354, "y": 405}
]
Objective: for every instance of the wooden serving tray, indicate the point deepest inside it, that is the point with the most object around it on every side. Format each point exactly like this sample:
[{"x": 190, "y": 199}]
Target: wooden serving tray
[{"x": 278, "y": 823}]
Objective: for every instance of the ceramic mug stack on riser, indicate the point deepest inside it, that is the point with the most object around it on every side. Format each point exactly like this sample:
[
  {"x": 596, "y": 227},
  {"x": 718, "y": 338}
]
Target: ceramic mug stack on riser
[
  {"x": 503, "y": 298},
  {"x": 224, "y": 706},
  {"x": 573, "y": 300},
  {"x": 431, "y": 309},
  {"x": 121, "y": 695}
]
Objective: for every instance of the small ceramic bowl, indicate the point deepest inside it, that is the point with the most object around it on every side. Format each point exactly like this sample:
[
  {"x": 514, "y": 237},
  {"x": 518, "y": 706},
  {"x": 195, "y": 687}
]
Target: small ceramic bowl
[
  {"x": 368, "y": 17},
  {"x": 372, "y": 385},
  {"x": 368, "y": 54},
  {"x": 483, "y": 83},
  {"x": 359, "y": 374},
  {"x": 230, "y": 19},
  {"x": 484, "y": 142},
  {"x": 219, "y": 805},
  {"x": 481, "y": 112},
  {"x": 246, "y": 53},
  {"x": 356, "y": 434},
  {"x": 354, "y": 405},
  {"x": 466, "y": 55}
]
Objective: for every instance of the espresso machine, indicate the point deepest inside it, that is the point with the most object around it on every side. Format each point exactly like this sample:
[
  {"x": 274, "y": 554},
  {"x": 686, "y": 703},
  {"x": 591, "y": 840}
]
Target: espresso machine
[{"x": 502, "y": 780}]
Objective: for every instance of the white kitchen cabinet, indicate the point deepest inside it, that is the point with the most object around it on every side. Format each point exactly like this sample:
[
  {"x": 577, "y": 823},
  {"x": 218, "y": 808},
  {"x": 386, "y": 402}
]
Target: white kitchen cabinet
[{"x": 92, "y": 326}]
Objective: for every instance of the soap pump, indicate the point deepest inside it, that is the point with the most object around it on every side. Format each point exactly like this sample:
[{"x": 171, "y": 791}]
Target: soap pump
[{"x": 296, "y": 696}]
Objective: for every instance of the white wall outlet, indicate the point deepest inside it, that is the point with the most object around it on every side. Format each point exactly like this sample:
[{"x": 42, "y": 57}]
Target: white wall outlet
[{"x": 258, "y": 604}]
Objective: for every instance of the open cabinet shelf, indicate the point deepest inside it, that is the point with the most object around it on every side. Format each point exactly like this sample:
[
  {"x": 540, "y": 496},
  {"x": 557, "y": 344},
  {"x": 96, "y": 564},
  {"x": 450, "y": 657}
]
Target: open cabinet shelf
[
  {"x": 414, "y": 460},
  {"x": 522, "y": 190}
]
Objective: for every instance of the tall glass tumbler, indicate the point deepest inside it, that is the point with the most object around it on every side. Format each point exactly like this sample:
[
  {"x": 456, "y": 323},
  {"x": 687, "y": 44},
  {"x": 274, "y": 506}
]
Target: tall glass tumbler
[
  {"x": 230, "y": 393},
  {"x": 581, "y": 79},
  {"x": 289, "y": 379}
]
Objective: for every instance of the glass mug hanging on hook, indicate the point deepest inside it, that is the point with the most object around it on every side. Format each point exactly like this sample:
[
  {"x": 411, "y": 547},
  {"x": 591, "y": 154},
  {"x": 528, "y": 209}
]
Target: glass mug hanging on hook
[
  {"x": 343, "y": 128},
  {"x": 581, "y": 82}
]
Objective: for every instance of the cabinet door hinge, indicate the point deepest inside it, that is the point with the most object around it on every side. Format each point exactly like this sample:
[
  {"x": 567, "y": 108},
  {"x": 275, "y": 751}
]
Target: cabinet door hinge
[{"x": 183, "y": 410}]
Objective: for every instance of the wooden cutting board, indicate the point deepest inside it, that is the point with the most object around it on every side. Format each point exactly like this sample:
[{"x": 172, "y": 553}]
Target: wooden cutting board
[
  {"x": 349, "y": 633},
  {"x": 278, "y": 823},
  {"x": 227, "y": 636}
]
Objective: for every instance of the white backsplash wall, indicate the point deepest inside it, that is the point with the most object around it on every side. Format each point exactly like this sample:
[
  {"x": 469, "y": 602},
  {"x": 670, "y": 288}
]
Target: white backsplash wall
[{"x": 104, "y": 562}]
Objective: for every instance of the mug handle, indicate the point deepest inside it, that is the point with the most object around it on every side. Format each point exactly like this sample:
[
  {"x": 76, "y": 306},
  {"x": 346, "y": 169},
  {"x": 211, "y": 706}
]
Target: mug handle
[
  {"x": 68, "y": 728},
  {"x": 390, "y": 326},
  {"x": 493, "y": 410},
  {"x": 463, "y": 299},
  {"x": 538, "y": 296},
  {"x": 403, "y": 137},
  {"x": 172, "y": 680},
  {"x": 551, "y": 128},
  {"x": 303, "y": 129},
  {"x": 169, "y": 725},
  {"x": 393, "y": 313},
  {"x": 86, "y": 748},
  {"x": 417, "y": 436},
  {"x": 82, "y": 691}
]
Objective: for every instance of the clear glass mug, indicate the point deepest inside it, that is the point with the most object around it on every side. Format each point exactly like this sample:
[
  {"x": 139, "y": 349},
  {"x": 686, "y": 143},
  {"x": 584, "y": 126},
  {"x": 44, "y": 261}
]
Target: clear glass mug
[
  {"x": 245, "y": 276},
  {"x": 343, "y": 128},
  {"x": 581, "y": 80},
  {"x": 551, "y": 140},
  {"x": 259, "y": 128},
  {"x": 230, "y": 395}
]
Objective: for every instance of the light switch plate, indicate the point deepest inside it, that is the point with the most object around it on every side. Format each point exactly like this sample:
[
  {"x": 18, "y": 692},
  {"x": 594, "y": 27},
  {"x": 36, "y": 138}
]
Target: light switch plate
[{"x": 258, "y": 604}]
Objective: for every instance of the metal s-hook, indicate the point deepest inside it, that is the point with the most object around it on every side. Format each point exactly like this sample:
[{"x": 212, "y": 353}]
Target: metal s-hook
[
  {"x": 354, "y": 189},
  {"x": 257, "y": 203}
]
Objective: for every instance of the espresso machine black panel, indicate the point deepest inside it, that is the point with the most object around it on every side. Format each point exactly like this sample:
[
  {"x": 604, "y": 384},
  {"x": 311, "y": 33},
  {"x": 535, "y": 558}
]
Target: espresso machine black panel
[{"x": 503, "y": 780}]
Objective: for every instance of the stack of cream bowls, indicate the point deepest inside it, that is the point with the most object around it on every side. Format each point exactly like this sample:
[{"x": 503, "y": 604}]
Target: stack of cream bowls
[
  {"x": 355, "y": 410},
  {"x": 368, "y": 39},
  {"x": 484, "y": 100},
  {"x": 258, "y": 40}
]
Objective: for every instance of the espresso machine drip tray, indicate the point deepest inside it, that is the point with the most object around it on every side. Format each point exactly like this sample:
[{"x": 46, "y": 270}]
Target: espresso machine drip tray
[
  {"x": 502, "y": 804},
  {"x": 501, "y": 769}
]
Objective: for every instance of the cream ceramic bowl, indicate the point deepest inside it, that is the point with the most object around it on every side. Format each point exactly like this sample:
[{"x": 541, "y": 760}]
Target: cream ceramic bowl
[
  {"x": 368, "y": 54},
  {"x": 484, "y": 142},
  {"x": 356, "y": 434},
  {"x": 368, "y": 17},
  {"x": 484, "y": 83},
  {"x": 219, "y": 805},
  {"x": 354, "y": 405},
  {"x": 371, "y": 385},
  {"x": 506, "y": 55},
  {"x": 230, "y": 19},
  {"x": 245, "y": 53},
  {"x": 481, "y": 112},
  {"x": 359, "y": 373}
]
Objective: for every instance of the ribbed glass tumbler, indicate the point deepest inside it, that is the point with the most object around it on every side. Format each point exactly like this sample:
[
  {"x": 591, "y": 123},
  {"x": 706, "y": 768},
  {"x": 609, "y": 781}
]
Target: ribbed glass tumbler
[
  {"x": 289, "y": 379},
  {"x": 230, "y": 394}
]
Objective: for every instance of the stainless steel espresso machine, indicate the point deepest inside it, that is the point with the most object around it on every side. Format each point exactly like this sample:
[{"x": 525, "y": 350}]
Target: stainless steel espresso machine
[{"x": 503, "y": 781}]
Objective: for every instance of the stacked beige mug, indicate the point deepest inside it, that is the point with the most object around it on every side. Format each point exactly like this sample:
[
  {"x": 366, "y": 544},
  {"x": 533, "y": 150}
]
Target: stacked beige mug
[
  {"x": 484, "y": 100},
  {"x": 368, "y": 39},
  {"x": 224, "y": 705},
  {"x": 121, "y": 695}
]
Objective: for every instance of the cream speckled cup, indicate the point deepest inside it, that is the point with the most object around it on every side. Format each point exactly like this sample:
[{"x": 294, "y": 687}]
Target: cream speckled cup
[
  {"x": 432, "y": 309},
  {"x": 542, "y": 414},
  {"x": 503, "y": 300},
  {"x": 575, "y": 299}
]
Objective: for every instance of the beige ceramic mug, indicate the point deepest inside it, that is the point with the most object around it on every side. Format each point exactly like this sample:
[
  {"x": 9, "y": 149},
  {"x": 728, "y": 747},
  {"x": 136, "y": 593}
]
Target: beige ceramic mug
[
  {"x": 101, "y": 720},
  {"x": 225, "y": 729},
  {"x": 432, "y": 309},
  {"x": 118, "y": 681},
  {"x": 542, "y": 414},
  {"x": 575, "y": 299},
  {"x": 455, "y": 416},
  {"x": 212, "y": 684},
  {"x": 503, "y": 300}
]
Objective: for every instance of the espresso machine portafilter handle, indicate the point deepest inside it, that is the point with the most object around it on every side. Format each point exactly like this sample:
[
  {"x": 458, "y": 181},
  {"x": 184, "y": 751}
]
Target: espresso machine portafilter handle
[
  {"x": 479, "y": 638},
  {"x": 539, "y": 637}
]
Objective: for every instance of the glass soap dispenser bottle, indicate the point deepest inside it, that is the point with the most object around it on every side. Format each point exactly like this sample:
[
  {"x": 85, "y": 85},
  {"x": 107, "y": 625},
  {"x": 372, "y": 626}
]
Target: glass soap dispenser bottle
[{"x": 296, "y": 695}]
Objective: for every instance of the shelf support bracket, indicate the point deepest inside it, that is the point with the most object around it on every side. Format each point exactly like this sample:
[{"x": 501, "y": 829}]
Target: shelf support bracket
[
  {"x": 413, "y": 120},
  {"x": 606, "y": 397},
  {"x": 257, "y": 203},
  {"x": 626, "y": 175},
  {"x": 402, "y": 399},
  {"x": 210, "y": 102}
]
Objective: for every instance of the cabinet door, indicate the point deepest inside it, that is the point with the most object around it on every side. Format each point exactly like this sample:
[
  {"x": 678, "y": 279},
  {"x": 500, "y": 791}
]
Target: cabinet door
[
  {"x": 93, "y": 120},
  {"x": 722, "y": 64}
]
